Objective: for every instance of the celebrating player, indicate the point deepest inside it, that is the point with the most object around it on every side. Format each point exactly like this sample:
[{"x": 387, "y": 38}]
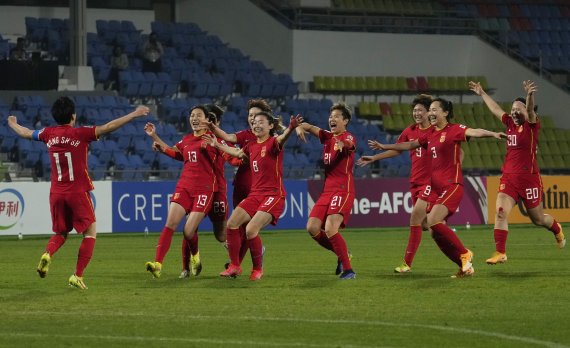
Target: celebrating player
[
  {"x": 521, "y": 177},
  {"x": 332, "y": 210},
  {"x": 195, "y": 190},
  {"x": 420, "y": 173},
  {"x": 266, "y": 199},
  {"x": 444, "y": 144},
  {"x": 70, "y": 201}
]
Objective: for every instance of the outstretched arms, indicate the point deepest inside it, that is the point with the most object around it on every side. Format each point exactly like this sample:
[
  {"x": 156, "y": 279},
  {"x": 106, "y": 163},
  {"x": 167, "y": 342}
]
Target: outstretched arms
[
  {"x": 22, "y": 131},
  {"x": 220, "y": 133},
  {"x": 294, "y": 122},
  {"x": 212, "y": 141},
  {"x": 483, "y": 133},
  {"x": 159, "y": 145},
  {"x": 491, "y": 104},
  {"x": 121, "y": 121},
  {"x": 306, "y": 128},
  {"x": 530, "y": 87}
]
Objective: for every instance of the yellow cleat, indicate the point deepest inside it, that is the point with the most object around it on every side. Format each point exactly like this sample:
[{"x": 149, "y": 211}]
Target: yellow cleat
[
  {"x": 496, "y": 258},
  {"x": 154, "y": 268},
  {"x": 468, "y": 273},
  {"x": 195, "y": 264},
  {"x": 466, "y": 260},
  {"x": 77, "y": 282},
  {"x": 43, "y": 266},
  {"x": 403, "y": 268},
  {"x": 560, "y": 239}
]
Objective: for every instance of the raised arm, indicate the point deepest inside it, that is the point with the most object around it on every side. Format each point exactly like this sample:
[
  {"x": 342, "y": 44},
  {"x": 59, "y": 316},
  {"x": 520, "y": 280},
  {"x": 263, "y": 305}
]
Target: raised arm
[
  {"x": 220, "y": 133},
  {"x": 307, "y": 128},
  {"x": 113, "y": 125},
  {"x": 405, "y": 146},
  {"x": 294, "y": 122},
  {"x": 491, "y": 104},
  {"x": 22, "y": 131},
  {"x": 212, "y": 141},
  {"x": 530, "y": 87},
  {"x": 150, "y": 130},
  {"x": 483, "y": 133}
]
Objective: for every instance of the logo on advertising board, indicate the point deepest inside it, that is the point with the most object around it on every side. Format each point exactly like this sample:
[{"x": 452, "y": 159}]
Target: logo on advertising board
[{"x": 11, "y": 208}]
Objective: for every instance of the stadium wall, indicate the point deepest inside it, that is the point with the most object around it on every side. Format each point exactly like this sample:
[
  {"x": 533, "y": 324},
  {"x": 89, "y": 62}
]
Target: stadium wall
[{"x": 139, "y": 206}]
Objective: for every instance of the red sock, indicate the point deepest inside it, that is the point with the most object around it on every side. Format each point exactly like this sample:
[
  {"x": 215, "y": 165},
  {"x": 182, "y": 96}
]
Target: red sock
[
  {"x": 448, "y": 242},
  {"x": 84, "y": 255},
  {"x": 193, "y": 243},
  {"x": 323, "y": 240},
  {"x": 55, "y": 242},
  {"x": 244, "y": 243},
  {"x": 555, "y": 228},
  {"x": 339, "y": 247},
  {"x": 256, "y": 251},
  {"x": 163, "y": 244},
  {"x": 185, "y": 254},
  {"x": 413, "y": 243},
  {"x": 500, "y": 240},
  {"x": 234, "y": 243}
]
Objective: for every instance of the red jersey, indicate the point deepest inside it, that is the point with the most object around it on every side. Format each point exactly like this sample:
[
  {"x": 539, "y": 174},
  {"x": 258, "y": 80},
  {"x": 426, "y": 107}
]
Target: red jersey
[
  {"x": 198, "y": 174},
  {"x": 266, "y": 165},
  {"x": 522, "y": 144},
  {"x": 219, "y": 171},
  {"x": 243, "y": 174},
  {"x": 421, "y": 162},
  {"x": 67, "y": 148},
  {"x": 445, "y": 148},
  {"x": 338, "y": 163}
]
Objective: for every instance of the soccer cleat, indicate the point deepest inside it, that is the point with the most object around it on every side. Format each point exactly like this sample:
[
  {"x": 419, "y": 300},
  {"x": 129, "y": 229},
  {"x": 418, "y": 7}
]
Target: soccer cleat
[
  {"x": 231, "y": 272},
  {"x": 460, "y": 274},
  {"x": 43, "y": 266},
  {"x": 154, "y": 267},
  {"x": 496, "y": 258},
  {"x": 403, "y": 268},
  {"x": 77, "y": 282},
  {"x": 256, "y": 274},
  {"x": 339, "y": 269},
  {"x": 466, "y": 260},
  {"x": 195, "y": 264},
  {"x": 560, "y": 239},
  {"x": 184, "y": 274},
  {"x": 348, "y": 274}
]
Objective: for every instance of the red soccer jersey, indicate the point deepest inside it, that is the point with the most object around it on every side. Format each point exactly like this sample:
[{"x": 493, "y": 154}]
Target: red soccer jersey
[
  {"x": 266, "y": 165},
  {"x": 67, "y": 148},
  {"x": 338, "y": 163},
  {"x": 445, "y": 148},
  {"x": 219, "y": 171},
  {"x": 421, "y": 162},
  {"x": 522, "y": 143},
  {"x": 243, "y": 174},
  {"x": 198, "y": 173}
]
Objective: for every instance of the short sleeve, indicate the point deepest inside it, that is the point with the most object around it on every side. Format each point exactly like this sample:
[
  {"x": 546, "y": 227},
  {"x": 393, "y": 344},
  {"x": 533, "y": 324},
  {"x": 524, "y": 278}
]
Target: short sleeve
[
  {"x": 324, "y": 135},
  {"x": 403, "y": 137},
  {"x": 458, "y": 133},
  {"x": 86, "y": 133},
  {"x": 423, "y": 139},
  {"x": 241, "y": 137},
  {"x": 505, "y": 119}
]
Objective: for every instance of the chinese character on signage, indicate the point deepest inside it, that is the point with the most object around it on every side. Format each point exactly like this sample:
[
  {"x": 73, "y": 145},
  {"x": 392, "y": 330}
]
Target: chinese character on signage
[{"x": 9, "y": 208}]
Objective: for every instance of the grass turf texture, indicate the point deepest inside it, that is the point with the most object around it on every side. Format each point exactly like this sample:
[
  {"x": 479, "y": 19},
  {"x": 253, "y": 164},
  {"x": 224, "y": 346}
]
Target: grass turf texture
[{"x": 298, "y": 303}]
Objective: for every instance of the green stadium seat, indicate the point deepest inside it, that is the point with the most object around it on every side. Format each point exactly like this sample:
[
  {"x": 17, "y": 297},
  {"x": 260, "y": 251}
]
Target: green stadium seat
[
  {"x": 319, "y": 83},
  {"x": 467, "y": 163},
  {"x": 360, "y": 84},
  {"x": 340, "y": 83},
  {"x": 462, "y": 83},
  {"x": 442, "y": 83},
  {"x": 391, "y": 83},
  {"x": 433, "y": 83},
  {"x": 554, "y": 148},
  {"x": 401, "y": 84},
  {"x": 350, "y": 83},
  {"x": 375, "y": 109},
  {"x": 364, "y": 108},
  {"x": 388, "y": 123},
  {"x": 381, "y": 83},
  {"x": 477, "y": 162},
  {"x": 451, "y": 82},
  {"x": 485, "y": 149},
  {"x": 330, "y": 83},
  {"x": 371, "y": 85},
  {"x": 564, "y": 147}
]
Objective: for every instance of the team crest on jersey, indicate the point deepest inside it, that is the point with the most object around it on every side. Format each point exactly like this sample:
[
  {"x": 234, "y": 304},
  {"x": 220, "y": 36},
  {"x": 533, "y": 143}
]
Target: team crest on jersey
[
  {"x": 263, "y": 151},
  {"x": 501, "y": 187},
  {"x": 442, "y": 138},
  {"x": 520, "y": 129}
]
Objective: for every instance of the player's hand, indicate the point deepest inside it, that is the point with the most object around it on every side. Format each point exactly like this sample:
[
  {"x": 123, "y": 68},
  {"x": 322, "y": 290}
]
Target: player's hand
[
  {"x": 150, "y": 129},
  {"x": 529, "y": 86},
  {"x": 500, "y": 135},
  {"x": 12, "y": 120},
  {"x": 301, "y": 134},
  {"x": 295, "y": 121},
  {"x": 476, "y": 87},
  {"x": 207, "y": 125},
  {"x": 141, "y": 111},
  {"x": 365, "y": 160},
  {"x": 374, "y": 145},
  {"x": 209, "y": 140}
]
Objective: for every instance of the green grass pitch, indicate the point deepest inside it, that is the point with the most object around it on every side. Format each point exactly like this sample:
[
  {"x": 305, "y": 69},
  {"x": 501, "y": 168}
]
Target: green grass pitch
[{"x": 298, "y": 303}]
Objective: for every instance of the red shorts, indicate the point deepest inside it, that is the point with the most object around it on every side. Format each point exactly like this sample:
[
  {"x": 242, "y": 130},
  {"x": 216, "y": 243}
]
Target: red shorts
[
  {"x": 71, "y": 210},
  {"x": 450, "y": 196},
  {"x": 219, "y": 211},
  {"x": 526, "y": 187},
  {"x": 423, "y": 192},
  {"x": 239, "y": 194},
  {"x": 330, "y": 203},
  {"x": 200, "y": 202},
  {"x": 273, "y": 205}
]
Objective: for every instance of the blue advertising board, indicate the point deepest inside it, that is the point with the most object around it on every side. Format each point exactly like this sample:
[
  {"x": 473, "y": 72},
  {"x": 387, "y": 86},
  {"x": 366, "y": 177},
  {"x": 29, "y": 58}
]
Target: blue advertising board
[{"x": 140, "y": 206}]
